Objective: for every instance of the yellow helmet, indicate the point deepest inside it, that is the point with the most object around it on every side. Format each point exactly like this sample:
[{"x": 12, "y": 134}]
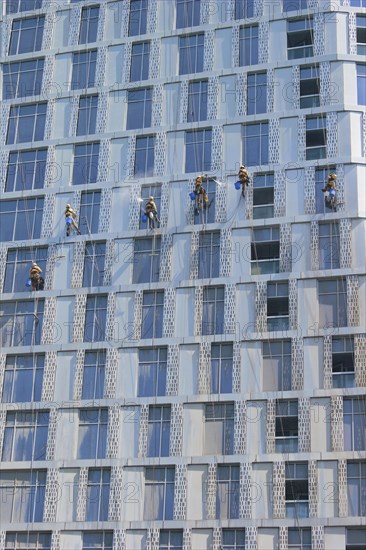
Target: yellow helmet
[
  {"x": 68, "y": 206},
  {"x": 151, "y": 198}
]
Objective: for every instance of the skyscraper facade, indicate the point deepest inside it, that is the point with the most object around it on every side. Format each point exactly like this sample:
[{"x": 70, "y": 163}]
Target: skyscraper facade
[{"x": 199, "y": 384}]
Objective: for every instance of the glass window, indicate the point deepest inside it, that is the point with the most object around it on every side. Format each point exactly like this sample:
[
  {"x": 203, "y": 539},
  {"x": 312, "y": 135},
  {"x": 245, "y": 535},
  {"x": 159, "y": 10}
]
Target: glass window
[
  {"x": 15, "y": 6},
  {"x": 361, "y": 34},
  {"x": 21, "y": 219},
  {"x": 248, "y": 46},
  {"x": 22, "y": 78},
  {"x": 158, "y": 436},
  {"x": 316, "y": 137},
  {"x": 213, "y": 310},
  {"x": 24, "y": 494},
  {"x": 138, "y": 17},
  {"x": 354, "y": 420},
  {"x": 101, "y": 540},
  {"x": 309, "y": 87},
  {"x": 21, "y": 323},
  {"x": 343, "y": 362},
  {"x": 233, "y": 539},
  {"x": 356, "y": 488},
  {"x": 85, "y": 168},
  {"x": 265, "y": 251},
  {"x": 89, "y": 211},
  {"x": 94, "y": 261},
  {"x": 93, "y": 375},
  {"x": 170, "y": 540},
  {"x": 197, "y": 101},
  {"x": 329, "y": 246},
  {"x": 191, "y": 53},
  {"x": 222, "y": 368},
  {"x": 139, "y": 108},
  {"x": 300, "y": 38},
  {"x": 286, "y": 438},
  {"x": 209, "y": 255},
  {"x": 89, "y": 24},
  {"x": 332, "y": 295},
  {"x": 198, "y": 150},
  {"x": 159, "y": 493},
  {"x": 256, "y": 93},
  {"x": 152, "y": 372},
  {"x": 296, "y": 490},
  {"x": 18, "y": 263},
  {"x": 188, "y": 13},
  {"x": 299, "y": 538},
  {"x": 26, "y": 170},
  {"x": 95, "y": 318},
  {"x": 219, "y": 429},
  {"x": 144, "y": 156},
  {"x": 277, "y": 306},
  {"x": 355, "y": 538},
  {"x": 97, "y": 498},
  {"x": 26, "y": 35},
  {"x": 146, "y": 262},
  {"x": 151, "y": 190},
  {"x": 92, "y": 441},
  {"x": 358, "y": 3},
  {"x": 244, "y": 9},
  {"x": 23, "y": 378},
  {"x": 361, "y": 84},
  {"x": 83, "y": 69},
  {"x": 24, "y": 541},
  {"x": 152, "y": 314},
  {"x": 295, "y": 5},
  {"x": 140, "y": 56},
  {"x": 25, "y": 436},
  {"x": 277, "y": 365},
  {"x": 255, "y": 143},
  {"x": 263, "y": 196},
  {"x": 87, "y": 116},
  {"x": 26, "y": 123},
  {"x": 227, "y": 495}
]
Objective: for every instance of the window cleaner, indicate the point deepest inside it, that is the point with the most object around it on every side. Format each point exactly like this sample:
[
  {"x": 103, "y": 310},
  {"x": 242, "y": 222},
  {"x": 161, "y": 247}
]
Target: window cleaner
[
  {"x": 151, "y": 213},
  {"x": 330, "y": 192},
  {"x": 243, "y": 179},
  {"x": 35, "y": 277},
  {"x": 198, "y": 194},
  {"x": 70, "y": 217}
]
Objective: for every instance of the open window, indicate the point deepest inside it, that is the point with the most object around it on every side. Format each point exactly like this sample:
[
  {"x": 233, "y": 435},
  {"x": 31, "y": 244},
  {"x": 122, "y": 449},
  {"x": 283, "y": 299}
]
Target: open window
[
  {"x": 343, "y": 362},
  {"x": 263, "y": 196},
  {"x": 265, "y": 251},
  {"x": 297, "y": 490},
  {"x": 287, "y": 429},
  {"x": 300, "y": 38},
  {"x": 277, "y": 306}
]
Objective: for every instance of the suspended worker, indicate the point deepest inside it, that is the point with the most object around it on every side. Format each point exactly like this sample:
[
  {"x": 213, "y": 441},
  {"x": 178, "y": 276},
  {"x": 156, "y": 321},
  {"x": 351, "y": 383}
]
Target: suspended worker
[
  {"x": 151, "y": 212},
  {"x": 330, "y": 191},
  {"x": 200, "y": 193},
  {"x": 70, "y": 216},
  {"x": 35, "y": 277},
  {"x": 243, "y": 178}
]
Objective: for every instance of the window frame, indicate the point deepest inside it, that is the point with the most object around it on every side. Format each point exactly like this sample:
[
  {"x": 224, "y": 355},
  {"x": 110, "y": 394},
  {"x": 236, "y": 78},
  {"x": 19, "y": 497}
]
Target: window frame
[
  {"x": 263, "y": 210},
  {"x": 230, "y": 484},
  {"x": 329, "y": 245},
  {"x": 305, "y": 48},
  {"x": 261, "y": 135},
  {"x": 310, "y": 100},
  {"x": 145, "y": 156},
  {"x": 139, "y": 108},
  {"x": 156, "y": 318},
  {"x": 92, "y": 224},
  {"x": 166, "y": 483},
  {"x": 93, "y": 274},
  {"x": 343, "y": 353},
  {"x": 217, "y": 305},
  {"x": 18, "y": 262},
  {"x": 25, "y": 436},
  {"x": 191, "y": 53},
  {"x": 139, "y": 7},
  {"x": 102, "y": 485},
  {"x": 21, "y": 120},
  {"x": 139, "y": 68},
  {"x": 284, "y": 364},
  {"x": 209, "y": 247},
  {"x": 88, "y": 31},
  {"x": 221, "y": 418},
  {"x": 149, "y": 258},
  {"x": 36, "y": 313},
  {"x": 21, "y": 38},
  {"x": 85, "y": 163},
  {"x": 317, "y": 133},
  {"x": 88, "y": 426},
  {"x": 23, "y": 486},
  {"x": 97, "y": 308},
  {"x": 13, "y": 379},
  {"x": 198, "y": 150},
  {"x": 249, "y": 55},
  {"x": 295, "y": 507},
  {"x": 268, "y": 259},
  {"x": 258, "y": 104},
  {"x": 96, "y": 377},
  {"x": 158, "y": 431},
  {"x": 279, "y": 322},
  {"x": 15, "y": 84},
  {"x": 287, "y": 428},
  {"x": 218, "y": 380},
  {"x": 340, "y": 314},
  {"x": 18, "y": 170},
  {"x": 79, "y": 59},
  {"x": 197, "y": 103},
  {"x": 158, "y": 363}
]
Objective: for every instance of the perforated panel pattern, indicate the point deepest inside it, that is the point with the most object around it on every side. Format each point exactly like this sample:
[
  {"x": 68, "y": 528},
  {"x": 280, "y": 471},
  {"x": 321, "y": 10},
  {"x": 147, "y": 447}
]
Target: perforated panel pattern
[
  {"x": 157, "y": 105},
  {"x": 278, "y": 490},
  {"x": 313, "y": 488},
  {"x": 221, "y": 199},
  {"x": 101, "y": 67},
  {"x": 111, "y": 366},
  {"x": 261, "y": 306},
  {"x": 332, "y": 134},
  {"x": 195, "y": 238},
  {"x": 230, "y": 309},
  {"x": 51, "y": 437},
  {"x": 352, "y": 33},
  {"x": 110, "y": 323},
  {"x": 304, "y": 425},
  {"x": 314, "y": 245},
  {"x": 119, "y": 539},
  {"x": 137, "y": 317},
  {"x": 245, "y": 497},
  {"x": 240, "y": 427},
  {"x": 79, "y": 373},
  {"x": 216, "y": 155},
  {"x": 135, "y": 204},
  {"x": 48, "y": 215},
  {"x": 317, "y": 537},
  {"x": 102, "y": 114},
  {"x": 172, "y": 376},
  {"x": 116, "y": 501},
  {"x": 160, "y": 154},
  {"x": 285, "y": 247},
  {"x": 211, "y": 491},
  {"x": 114, "y": 419},
  {"x": 297, "y": 364},
  {"x": 279, "y": 193},
  {"x": 292, "y": 298},
  {"x": 198, "y": 310},
  {"x": 204, "y": 369},
  {"x": 327, "y": 363},
  {"x": 325, "y": 83},
  {"x": 241, "y": 94},
  {"x": 180, "y": 492},
  {"x": 345, "y": 227},
  {"x": 209, "y": 52},
  {"x": 336, "y": 419},
  {"x": 82, "y": 494},
  {"x": 309, "y": 194},
  {"x": 353, "y": 306},
  {"x": 213, "y": 90},
  {"x": 271, "y": 425},
  {"x": 274, "y": 140},
  {"x": 49, "y": 119},
  {"x": 183, "y": 94},
  {"x": 144, "y": 416},
  {"x": 154, "y": 61},
  {"x": 51, "y": 495},
  {"x": 176, "y": 430},
  {"x": 294, "y": 94},
  {"x": 49, "y": 376},
  {"x": 105, "y": 210},
  {"x": 169, "y": 312},
  {"x": 78, "y": 264},
  {"x": 236, "y": 367},
  {"x": 225, "y": 252},
  {"x": 301, "y": 137},
  {"x": 47, "y": 80},
  {"x": 79, "y": 318},
  {"x": 360, "y": 360},
  {"x": 319, "y": 33},
  {"x": 342, "y": 489},
  {"x": 235, "y": 46},
  {"x": 49, "y": 321}
]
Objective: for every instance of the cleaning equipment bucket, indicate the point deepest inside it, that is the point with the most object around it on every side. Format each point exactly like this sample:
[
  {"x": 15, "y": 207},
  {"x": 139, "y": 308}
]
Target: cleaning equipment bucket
[
  {"x": 68, "y": 221},
  {"x": 192, "y": 195},
  {"x": 144, "y": 218},
  {"x": 237, "y": 185}
]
